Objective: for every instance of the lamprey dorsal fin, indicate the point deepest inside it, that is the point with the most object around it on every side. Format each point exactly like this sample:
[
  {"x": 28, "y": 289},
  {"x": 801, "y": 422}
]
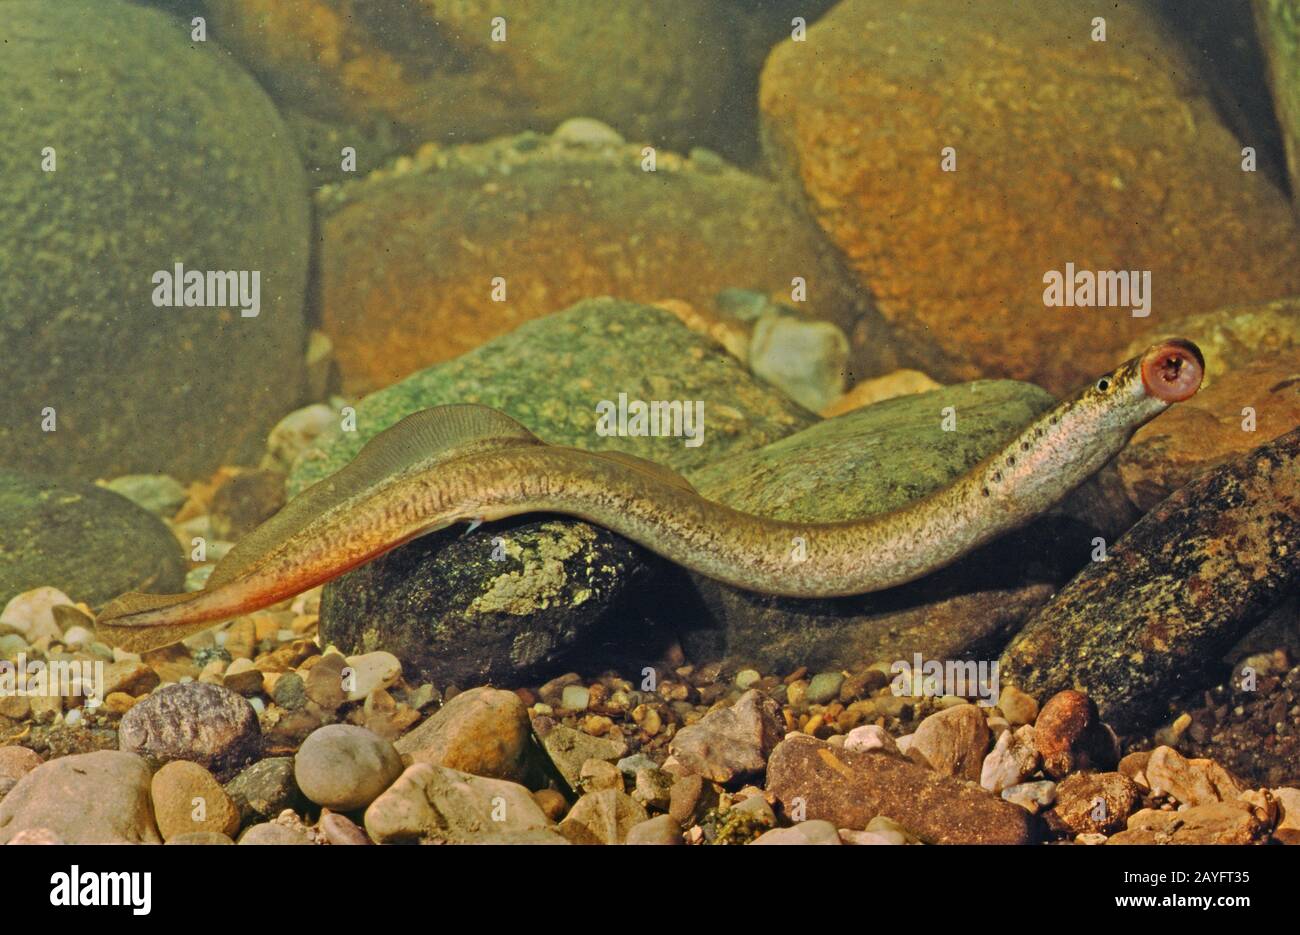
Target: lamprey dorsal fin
[{"x": 416, "y": 443}]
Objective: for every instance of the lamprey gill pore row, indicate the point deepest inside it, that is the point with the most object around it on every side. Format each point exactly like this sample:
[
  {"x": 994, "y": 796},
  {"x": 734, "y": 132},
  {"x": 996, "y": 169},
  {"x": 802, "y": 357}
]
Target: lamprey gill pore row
[{"x": 455, "y": 463}]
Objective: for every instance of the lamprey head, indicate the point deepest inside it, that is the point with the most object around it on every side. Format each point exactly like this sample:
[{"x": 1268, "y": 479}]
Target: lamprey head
[
  {"x": 1070, "y": 442},
  {"x": 1141, "y": 388},
  {"x": 1172, "y": 371}
]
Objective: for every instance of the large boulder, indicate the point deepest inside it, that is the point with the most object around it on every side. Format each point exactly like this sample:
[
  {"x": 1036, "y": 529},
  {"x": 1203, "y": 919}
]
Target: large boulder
[
  {"x": 164, "y": 152},
  {"x": 558, "y": 219},
  {"x": 1106, "y": 155},
  {"x": 442, "y": 71},
  {"x": 1279, "y": 33}
]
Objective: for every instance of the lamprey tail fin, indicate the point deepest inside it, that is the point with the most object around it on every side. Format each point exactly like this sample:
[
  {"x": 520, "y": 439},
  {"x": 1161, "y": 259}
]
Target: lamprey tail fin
[
  {"x": 417, "y": 442},
  {"x": 116, "y": 628},
  {"x": 649, "y": 468}
]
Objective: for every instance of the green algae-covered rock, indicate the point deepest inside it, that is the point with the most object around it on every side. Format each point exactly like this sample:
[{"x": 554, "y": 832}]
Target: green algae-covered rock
[
  {"x": 550, "y": 374},
  {"x": 870, "y": 461},
  {"x": 875, "y": 458},
  {"x": 88, "y": 542},
  {"x": 1176, "y": 591},
  {"x": 511, "y": 598},
  {"x": 164, "y": 151}
]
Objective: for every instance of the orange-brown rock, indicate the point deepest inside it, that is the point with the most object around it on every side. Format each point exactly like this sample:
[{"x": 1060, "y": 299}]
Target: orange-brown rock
[
  {"x": 409, "y": 257},
  {"x": 1106, "y": 155},
  {"x": 1240, "y": 410},
  {"x": 443, "y": 70}
]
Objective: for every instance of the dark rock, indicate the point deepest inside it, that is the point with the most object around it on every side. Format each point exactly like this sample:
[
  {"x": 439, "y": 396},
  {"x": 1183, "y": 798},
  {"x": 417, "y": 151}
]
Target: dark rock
[
  {"x": 290, "y": 691},
  {"x": 86, "y": 541},
  {"x": 1278, "y": 23},
  {"x": 265, "y": 789},
  {"x": 210, "y": 725},
  {"x": 452, "y": 613},
  {"x": 137, "y": 124},
  {"x": 848, "y": 789},
  {"x": 1175, "y": 593},
  {"x": 731, "y": 744}
]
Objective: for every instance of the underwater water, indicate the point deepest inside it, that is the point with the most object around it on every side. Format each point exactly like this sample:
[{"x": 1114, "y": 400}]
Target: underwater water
[{"x": 689, "y": 422}]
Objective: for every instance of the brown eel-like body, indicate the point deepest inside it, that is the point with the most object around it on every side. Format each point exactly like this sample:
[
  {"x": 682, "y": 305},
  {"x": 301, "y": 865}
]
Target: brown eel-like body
[{"x": 456, "y": 463}]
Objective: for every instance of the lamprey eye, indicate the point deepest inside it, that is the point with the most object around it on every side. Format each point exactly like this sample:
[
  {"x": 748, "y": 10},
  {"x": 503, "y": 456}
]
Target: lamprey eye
[
  {"x": 1172, "y": 371},
  {"x": 1103, "y": 385}
]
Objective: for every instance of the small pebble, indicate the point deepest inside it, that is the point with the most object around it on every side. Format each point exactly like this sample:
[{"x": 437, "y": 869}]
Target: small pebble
[{"x": 344, "y": 767}]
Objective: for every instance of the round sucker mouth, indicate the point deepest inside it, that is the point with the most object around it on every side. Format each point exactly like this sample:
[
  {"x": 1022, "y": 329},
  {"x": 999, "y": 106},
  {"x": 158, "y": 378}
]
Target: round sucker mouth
[{"x": 1173, "y": 371}]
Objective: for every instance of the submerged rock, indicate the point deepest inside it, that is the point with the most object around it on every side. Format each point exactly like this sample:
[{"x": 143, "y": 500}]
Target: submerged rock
[
  {"x": 88, "y": 542},
  {"x": 164, "y": 152},
  {"x": 454, "y": 71},
  {"x": 1176, "y": 591},
  {"x": 86, "y": 798},
  {"x": 1076, "y": 186},
  {"x": 1278, "y": 28},
  {"x": 685, "y": 231},
  {"x": 813, "y": 780},
  {"x": 436, "y": 805},
  {"x": 1213, "y": 427},
  {"x": 731, "y": 744},
  {"x": 511, "y": 597},
  {"x": 483, "y": 731},
  {"x": 207, "y": 724},
  {"x": 550, "y": 374}
]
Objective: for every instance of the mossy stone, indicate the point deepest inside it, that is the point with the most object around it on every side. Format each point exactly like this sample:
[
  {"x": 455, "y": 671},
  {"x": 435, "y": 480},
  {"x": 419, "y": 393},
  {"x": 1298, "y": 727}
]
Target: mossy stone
[{"x": 165, "y": 151}]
